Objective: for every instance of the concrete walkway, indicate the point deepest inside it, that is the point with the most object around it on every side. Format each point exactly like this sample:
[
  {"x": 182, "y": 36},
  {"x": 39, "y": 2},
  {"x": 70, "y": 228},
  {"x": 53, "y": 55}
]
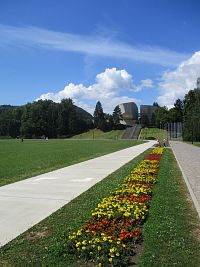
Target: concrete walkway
[
  {"x": 26, "y": 203},
  {"x": 188, "y": 157}
]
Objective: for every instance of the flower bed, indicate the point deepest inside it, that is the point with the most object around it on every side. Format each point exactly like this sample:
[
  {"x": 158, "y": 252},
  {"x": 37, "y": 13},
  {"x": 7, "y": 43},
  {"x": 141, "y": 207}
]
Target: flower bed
[{"x": 116, "y": 223}]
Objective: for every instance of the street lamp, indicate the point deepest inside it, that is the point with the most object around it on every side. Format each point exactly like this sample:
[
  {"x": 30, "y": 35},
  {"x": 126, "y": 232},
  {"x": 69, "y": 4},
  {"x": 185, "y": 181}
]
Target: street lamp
[
  {"x": 93, "y": 129},
  {"x": 192, "y": 131}
]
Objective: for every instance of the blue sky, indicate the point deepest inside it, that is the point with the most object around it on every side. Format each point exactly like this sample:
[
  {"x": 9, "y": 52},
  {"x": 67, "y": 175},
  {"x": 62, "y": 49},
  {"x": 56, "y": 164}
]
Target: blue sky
[{"x": 114, "y": 51}]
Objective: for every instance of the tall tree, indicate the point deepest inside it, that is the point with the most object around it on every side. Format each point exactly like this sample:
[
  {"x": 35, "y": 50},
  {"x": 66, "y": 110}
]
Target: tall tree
[
  {"x": 6, "y": 117},
  {"x": 176, "y": 113},
  {"x": 15, "y": 123},
  {"x": 162, "y": 116},
  {"x": 99, "y": 117},
  {"x": 191, "y": 115},
  {"x": 64, "y": 117},
  {"x": 117, "y": 117},
  {"x": 155, "y": 104}
]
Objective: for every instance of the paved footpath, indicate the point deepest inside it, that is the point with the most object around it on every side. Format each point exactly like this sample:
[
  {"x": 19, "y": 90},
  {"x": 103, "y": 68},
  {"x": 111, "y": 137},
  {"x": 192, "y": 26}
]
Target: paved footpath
[
  {"x": 26, "y": 203},
  {"x": 188, "y": 157}
]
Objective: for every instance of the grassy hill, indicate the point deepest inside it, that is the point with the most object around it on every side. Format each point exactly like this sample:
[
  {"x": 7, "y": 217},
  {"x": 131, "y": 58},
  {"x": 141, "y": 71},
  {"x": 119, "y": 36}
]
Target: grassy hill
[
  {"x": 98, "y": 134},
  {"x": 153, "y": 133}
]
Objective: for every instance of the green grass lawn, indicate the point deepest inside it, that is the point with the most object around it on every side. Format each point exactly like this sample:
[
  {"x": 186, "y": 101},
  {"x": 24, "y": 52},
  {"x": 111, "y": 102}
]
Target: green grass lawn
[
  {"x": 43, "y": 245},
  {"x": 150, "y": 133},
  {"x": 98, "y": 134},
  {"x": 172, "y": 229},
  {"x": 32, "y": 157},
  {"x": 197, "y": 144},
  {"x": 194, "y": 143}
]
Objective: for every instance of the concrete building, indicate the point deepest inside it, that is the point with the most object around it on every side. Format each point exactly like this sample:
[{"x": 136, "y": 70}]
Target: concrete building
[
  {"x": 148, "y": 110},
  {"x": 129, "y": 113}
]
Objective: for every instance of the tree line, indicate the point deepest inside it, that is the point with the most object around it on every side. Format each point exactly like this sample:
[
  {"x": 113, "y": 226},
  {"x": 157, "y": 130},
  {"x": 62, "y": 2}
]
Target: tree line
[
  {"x": 105, "y": 121},
  {"x": 186, "y": 111},
  {"x": 45, "y": 118}
]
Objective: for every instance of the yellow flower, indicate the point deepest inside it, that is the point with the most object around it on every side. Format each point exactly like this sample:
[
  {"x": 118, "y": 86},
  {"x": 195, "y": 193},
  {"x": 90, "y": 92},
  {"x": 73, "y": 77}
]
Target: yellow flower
[
  {"x": 112, "y": 250},
  {"x": 78, "y": 243},
  {"x": 79, "y": 232},
  {"x": 127, "y": 214},
  {"x": 83, "y": 248},
  {"x": 99, "y": 248},
  {"x": 117, "y": 254},
  {"x": 110, "y": 259}
]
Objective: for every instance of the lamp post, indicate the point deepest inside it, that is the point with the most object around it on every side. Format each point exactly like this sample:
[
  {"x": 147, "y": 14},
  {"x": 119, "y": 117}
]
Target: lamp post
[
  {"x": 93, "y": 129},
  {"x": 192, "y": 131}
]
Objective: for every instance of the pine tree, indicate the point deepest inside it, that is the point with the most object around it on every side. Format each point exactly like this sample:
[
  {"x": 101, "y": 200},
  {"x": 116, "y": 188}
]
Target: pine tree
[
  {"x": 117, "y": 117},
  {"x": 99, "y": 118}
]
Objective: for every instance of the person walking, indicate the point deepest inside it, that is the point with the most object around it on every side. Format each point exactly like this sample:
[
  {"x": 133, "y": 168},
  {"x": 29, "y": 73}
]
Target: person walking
[{"x": 157, "y": 142}]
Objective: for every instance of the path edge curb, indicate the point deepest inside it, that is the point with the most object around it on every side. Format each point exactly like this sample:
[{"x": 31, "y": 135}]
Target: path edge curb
[{"x": 195, "y": 202}]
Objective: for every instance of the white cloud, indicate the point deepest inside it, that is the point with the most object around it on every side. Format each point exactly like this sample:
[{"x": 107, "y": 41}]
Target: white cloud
[
  {"x": 143, "y": 84},
  {"x": 147, "y": 83},
  {"x": 97, "y": 45},
  {"x": 111, "y": 88},
  {"x": 175, "y": 84}
]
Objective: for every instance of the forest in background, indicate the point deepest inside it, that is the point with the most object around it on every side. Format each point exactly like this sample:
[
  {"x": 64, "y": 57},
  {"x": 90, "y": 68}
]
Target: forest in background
[
  {"x": 186, "y": 111},
  {"x": 46, "y": 118}
]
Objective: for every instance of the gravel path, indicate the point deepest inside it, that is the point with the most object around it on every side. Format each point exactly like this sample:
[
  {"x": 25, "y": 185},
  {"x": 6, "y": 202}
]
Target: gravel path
[{"x": 188, "y": 157}]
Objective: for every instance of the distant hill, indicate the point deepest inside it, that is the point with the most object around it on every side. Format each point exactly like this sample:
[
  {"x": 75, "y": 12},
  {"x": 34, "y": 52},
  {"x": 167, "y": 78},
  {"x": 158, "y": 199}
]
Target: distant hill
[
  {"x": 44, "y": 118},
  {"x": 98, "y": 134},
  {"x": 6, "y": 107},
  {"x": 83, "y": 113}
]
